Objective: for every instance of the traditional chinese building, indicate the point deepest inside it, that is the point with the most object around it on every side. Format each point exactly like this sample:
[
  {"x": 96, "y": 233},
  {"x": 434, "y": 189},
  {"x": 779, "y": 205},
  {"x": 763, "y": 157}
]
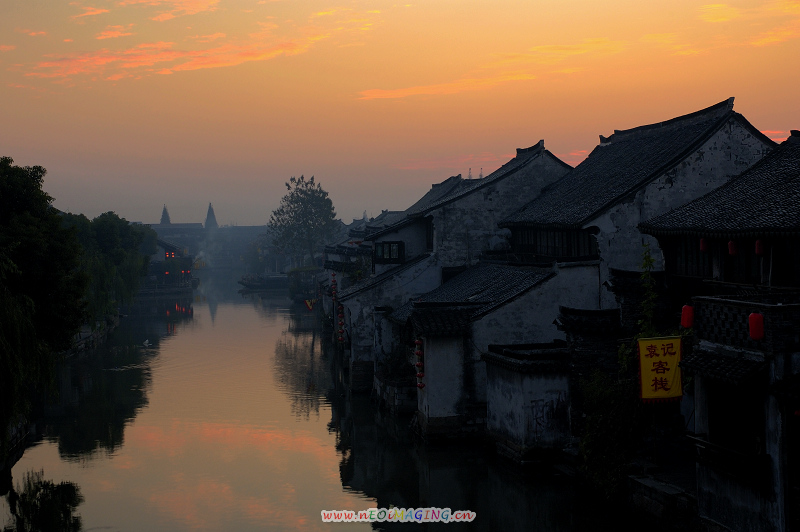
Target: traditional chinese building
[
  {"x": 453, "y": 327},
  {"x": 444, "y": 232},
  {"x": 589, "y": 219},
  {"x": 737, "y": 247}
]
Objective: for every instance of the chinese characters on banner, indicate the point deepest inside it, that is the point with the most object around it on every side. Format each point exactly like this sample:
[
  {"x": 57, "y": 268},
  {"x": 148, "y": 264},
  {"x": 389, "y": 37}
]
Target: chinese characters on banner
[{"x": 659, "y": 374}]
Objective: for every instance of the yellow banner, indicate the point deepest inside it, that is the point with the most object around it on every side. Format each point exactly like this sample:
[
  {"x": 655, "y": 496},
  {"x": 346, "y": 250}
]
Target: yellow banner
[{"x": 659, "y": 374}]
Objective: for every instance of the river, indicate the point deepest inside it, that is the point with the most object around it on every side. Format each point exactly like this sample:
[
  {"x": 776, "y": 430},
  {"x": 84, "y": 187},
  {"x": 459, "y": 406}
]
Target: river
[{"x": 220, "y": 411}]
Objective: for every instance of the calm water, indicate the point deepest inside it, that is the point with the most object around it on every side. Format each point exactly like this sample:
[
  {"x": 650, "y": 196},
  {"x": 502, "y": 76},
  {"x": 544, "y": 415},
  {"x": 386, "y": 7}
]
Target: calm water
[{"x": 232, "y": 417}]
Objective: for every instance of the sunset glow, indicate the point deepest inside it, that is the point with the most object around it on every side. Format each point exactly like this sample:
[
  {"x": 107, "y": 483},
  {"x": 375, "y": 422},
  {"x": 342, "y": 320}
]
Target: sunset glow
[{"x": 132, "y": 104}]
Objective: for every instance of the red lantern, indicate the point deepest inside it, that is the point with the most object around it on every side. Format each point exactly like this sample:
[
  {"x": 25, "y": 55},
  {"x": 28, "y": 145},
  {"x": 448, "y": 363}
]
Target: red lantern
[
  {"x": 703, "y": 245},
  {"x": 341, "y": 323},
  {"x": 418, "y": 342},
  {"x": 687, "y": 316},
  {"x": 333, "y": 274},
  {"x": 759, "y": 247},
  {"x": 732, "y": 248},
  {"x": 341, "y": 315},
  {"x": 420, "y": 375},
  {"x": 341, "y": 308},
  {"x": 341, "y": 339},
  {"x": 420, "y": 385},
  {"x": 418, "y": 353},
  {"x": 341, "y": 331},
  {"x": 419, "y": 364},
  {"x": 756, "y": 326}
]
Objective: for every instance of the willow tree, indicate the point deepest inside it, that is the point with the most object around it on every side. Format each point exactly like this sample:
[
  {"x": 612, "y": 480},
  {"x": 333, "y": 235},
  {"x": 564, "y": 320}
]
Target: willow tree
[{"x": 305, "y": 219}]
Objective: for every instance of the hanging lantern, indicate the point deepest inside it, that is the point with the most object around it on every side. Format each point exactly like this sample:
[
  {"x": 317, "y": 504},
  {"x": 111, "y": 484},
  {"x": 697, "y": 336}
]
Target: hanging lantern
[
  {"x": 341, "y": 308},
  {"x": 731, "y": 248},
  {"x": 420, "y": 365},
  {"x": 418, "y": 342},
  {"x": 341, "y": 315},
  {"x": 756, "y": 326},
  {"x": 687, "y": 316},
  {"x": 418, "y": 353},
  {"x": 341, "y": 339},
  {"x": 703, "y": 245},
  {"x": 759, "y": 247},
  {"x": 341, "y": 323},
  {"x": 333, "y": 274},
  {"x": 420, "y": 375},
  {"x": 420, "y": 385}
]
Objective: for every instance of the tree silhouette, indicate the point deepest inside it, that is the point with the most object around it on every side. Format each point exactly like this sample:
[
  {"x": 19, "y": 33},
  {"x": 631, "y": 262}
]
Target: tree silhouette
[
  {"x": 42, "y": 505},
  {"x": 304, "y": 220}
]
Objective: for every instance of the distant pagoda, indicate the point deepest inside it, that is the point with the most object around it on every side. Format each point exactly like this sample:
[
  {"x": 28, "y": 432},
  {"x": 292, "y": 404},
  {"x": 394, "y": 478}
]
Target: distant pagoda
[
  {"x": 211, "y": 219},
  {"x": 165, "y": 216}
]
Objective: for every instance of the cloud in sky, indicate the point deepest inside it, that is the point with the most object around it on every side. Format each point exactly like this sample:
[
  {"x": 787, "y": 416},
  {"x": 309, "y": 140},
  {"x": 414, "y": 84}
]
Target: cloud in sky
[
  {"x": 175, "y": 8},
  {"x": 573, "y": 158},
  {"x": 546, "y": 54},
  {"x": 32, "y": 33},
  {"x": 112, "y": 32},
  {"x": 130, "y": 61},
  {"x": 7, "y": 47},
  {"x": 208, "y": 38},
  {"x": 450, "y": 87},
  {"x": 89, "y": 11},
  {"x": 778, "y": 35},
  {"x": 777, "y": 136},
  {"x": 782, "y": 18},
  {"x": 719, "y": 12}
]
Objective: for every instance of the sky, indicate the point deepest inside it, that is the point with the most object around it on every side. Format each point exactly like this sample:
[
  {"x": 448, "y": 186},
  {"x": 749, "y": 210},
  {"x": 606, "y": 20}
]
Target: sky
[{"x": 133, "y": 104}]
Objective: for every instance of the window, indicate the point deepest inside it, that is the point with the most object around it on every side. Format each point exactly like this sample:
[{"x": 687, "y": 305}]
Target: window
[{"x": 389, "y": 252}]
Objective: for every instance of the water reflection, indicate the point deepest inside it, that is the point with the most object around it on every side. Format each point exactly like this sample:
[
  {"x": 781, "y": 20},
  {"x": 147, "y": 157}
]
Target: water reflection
[
  {"x": 301, "y": 365},
  {"x": 381, "y": 459},
  {"x": 100, "y": 392},
  {"x": 243, "y": 423},
  {"x": 42, "y": 505}
]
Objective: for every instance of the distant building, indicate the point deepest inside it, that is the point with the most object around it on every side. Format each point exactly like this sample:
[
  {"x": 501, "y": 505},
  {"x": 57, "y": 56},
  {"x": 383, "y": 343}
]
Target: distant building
[
  {"x": 165, "y": 216},
  {"x": 211, "y": 219}
]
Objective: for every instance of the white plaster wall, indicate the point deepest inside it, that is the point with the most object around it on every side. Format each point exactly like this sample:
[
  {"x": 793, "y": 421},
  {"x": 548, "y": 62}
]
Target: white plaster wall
[
  {"x": 444, "y": 376},
  {"x": 465, "y": 228},
  {"x": 729, "y": 152},
  {"x": 412, "y": 235},
  {"x": 409, "y": 283},
  {"x": 525, "y": 408},
  {"x": 529, "y": 318}
]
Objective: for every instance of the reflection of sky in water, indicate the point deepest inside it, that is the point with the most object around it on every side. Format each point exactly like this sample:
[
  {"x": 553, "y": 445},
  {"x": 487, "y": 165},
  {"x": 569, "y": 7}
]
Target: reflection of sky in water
[
  {"x": 235, "y": 420},
  {"x": 210, "y": 430}
]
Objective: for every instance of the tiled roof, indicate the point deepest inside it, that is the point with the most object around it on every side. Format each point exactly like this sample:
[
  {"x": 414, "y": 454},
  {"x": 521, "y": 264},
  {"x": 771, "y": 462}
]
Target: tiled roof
[
  {"x": 371, "y": 282},
  {"x": 530, "y": 358},
  {"x": 442, "y": 321},
  {"x": 728, "y": 368},
  {"x": 483, "y": 287},
  {"x": 762, "y": 200},
  {"x": 622, "y": 164},
  {"x": 459, "y": 187}
]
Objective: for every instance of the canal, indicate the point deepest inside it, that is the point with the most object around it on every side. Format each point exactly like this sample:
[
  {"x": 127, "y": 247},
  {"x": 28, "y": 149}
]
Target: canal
[{"x": 219, "y": 411}]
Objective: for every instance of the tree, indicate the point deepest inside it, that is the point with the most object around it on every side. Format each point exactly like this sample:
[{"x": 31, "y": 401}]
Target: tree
[
  {"x": 41, "y": 287},
  {"x": 305, "y": 219}
]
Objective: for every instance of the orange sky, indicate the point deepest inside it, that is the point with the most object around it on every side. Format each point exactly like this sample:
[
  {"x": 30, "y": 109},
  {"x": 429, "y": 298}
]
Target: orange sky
[{"x": 131, "y": 104}]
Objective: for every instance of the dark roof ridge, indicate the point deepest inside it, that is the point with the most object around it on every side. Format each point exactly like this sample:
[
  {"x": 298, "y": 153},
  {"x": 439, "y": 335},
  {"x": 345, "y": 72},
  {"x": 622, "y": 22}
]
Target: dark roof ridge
[
  {"x": 514, "y": 164},
  {"x": 618, "y": 133},
  {"x": 786, "y": 148}
]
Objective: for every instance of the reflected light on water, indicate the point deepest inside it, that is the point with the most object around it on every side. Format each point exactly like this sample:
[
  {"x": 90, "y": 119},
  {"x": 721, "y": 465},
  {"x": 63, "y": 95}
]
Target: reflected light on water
[{"x": 221, "y": 424}]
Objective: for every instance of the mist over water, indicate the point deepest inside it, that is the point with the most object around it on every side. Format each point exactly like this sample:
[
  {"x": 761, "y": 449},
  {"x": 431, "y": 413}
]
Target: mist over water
[{"x": 219, "y": 411}]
